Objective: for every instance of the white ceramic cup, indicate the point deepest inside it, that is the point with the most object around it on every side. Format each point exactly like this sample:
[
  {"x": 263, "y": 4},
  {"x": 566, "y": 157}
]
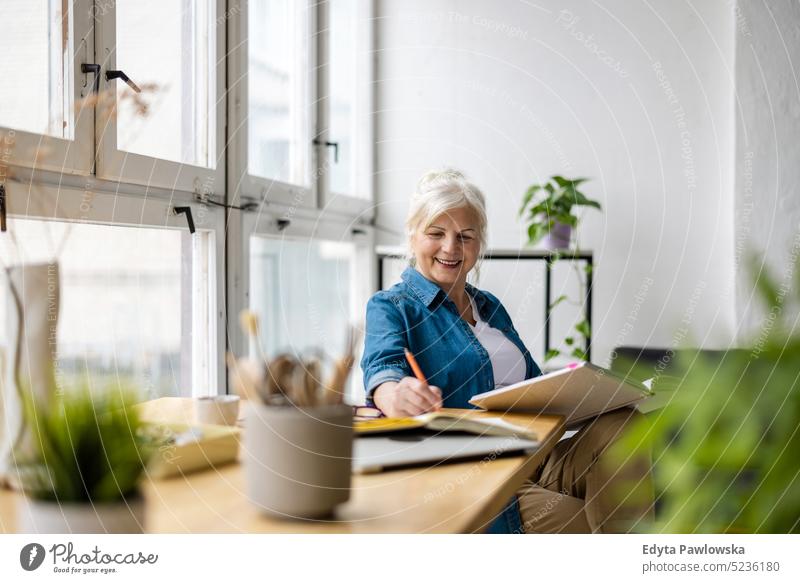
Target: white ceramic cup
[{"x": 217, "y": 410}]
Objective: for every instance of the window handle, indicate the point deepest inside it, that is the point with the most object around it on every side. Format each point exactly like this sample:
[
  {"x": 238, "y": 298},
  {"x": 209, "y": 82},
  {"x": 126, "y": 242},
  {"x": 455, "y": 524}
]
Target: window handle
[
  {"x": 334, "y": 145},
  {"x": 2, "y": 208},
  {"x": 113, "y": 74},
  {"x": 181, "y": 210},
  {"x": 92, "y": 68}
]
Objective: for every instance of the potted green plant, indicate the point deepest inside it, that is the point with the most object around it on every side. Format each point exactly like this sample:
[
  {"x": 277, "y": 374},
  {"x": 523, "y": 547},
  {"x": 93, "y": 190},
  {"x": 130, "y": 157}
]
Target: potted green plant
[
  {"x": 547, "y": 212},
  {"x": 547, "y": 209},
  {"x": 725, "y": 446},
  {"x": 83, "y": 473}
]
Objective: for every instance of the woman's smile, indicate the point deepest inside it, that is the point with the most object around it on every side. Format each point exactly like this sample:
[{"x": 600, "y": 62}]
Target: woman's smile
[{"x": 449, "y": 264}]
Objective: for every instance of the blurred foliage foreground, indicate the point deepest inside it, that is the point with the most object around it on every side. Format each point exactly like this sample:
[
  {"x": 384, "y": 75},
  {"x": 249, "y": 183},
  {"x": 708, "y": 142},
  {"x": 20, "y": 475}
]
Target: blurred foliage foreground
[{"x": 726, "y": 447}]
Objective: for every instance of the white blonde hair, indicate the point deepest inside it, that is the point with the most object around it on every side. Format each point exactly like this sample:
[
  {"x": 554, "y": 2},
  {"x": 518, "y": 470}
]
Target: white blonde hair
[{"x": 438, "y": 192}]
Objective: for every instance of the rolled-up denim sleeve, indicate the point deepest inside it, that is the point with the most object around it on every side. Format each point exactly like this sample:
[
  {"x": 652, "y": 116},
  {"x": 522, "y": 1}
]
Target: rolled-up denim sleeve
[{"x": 385, "y": 341}]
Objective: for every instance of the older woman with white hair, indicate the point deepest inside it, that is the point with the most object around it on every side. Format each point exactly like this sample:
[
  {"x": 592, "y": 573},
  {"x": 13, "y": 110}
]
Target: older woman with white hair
[{"x": 465, "y": 342}]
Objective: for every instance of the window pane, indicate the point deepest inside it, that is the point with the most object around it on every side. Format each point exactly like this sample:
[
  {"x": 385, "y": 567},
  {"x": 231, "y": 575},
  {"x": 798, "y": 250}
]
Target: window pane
[
  {"x": 170, "y": 47},
  {"x": 35, "y": 58},
  {"x": 277, "y": 104},
  {"x": 122, "y": 315},
  {"x": 343, "y": 86},
  {"x": 302, "y": 292}
]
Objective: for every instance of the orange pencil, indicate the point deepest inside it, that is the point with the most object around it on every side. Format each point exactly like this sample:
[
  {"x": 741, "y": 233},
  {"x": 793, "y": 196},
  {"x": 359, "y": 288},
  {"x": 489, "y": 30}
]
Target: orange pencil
[{"x": 415, "y": 367}]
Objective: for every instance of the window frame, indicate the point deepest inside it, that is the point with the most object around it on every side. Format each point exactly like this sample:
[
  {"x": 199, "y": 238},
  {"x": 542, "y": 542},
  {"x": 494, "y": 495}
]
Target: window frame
[
  {"x": 361, "y": 201},
  {"x": 119, "y": 198},
  {"x": 246, "y": 185},
  {"x": 66, "y": 203},
  {"x": 67, "y": 156},
  {"x": 127, "y": 167},
  {"x": 298, "y": 229}
]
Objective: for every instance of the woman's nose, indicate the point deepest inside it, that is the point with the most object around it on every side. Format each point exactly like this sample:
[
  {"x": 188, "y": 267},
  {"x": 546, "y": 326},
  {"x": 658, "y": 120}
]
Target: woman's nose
[{"x": 450, "y": 244}]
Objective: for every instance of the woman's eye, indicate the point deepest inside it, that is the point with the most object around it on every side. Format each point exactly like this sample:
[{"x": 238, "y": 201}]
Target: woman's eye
[
  {"x": 435, "y": 235},
  {"x": 466, "y": 239}
]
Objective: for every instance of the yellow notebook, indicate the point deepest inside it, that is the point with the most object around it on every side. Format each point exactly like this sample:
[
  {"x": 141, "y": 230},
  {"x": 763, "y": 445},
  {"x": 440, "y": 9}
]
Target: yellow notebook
[{"x": 441, "y": 421}]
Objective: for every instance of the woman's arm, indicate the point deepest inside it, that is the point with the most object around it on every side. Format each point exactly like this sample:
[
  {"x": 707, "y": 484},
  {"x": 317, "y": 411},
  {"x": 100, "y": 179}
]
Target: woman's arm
[{"x": 388, "y": 378}]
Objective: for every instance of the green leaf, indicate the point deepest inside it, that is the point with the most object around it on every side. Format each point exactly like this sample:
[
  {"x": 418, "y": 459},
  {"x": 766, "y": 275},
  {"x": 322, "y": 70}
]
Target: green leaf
[
  {"x": 570, "y": 220},
  {"x": 558, "y": 300},
  {"x": 581, "y": 200},
  {"x": 569, "y": 341},
  {"x": 564, "y": 182},
  {"x": 579, "y": 353},
  {"x": 583, "y": 328},
  {"x": 86, "y": 448},
  {"x": 526, "y": 199},
  {"x": 588, "y": 268},
  {"x": 535, "y": 233},
  {"x": 552, "y": 353}
]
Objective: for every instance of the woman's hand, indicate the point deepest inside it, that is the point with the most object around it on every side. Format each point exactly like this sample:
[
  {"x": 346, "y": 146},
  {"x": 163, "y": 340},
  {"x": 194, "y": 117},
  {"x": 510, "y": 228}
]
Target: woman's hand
[{"x": 407, "y": 398}]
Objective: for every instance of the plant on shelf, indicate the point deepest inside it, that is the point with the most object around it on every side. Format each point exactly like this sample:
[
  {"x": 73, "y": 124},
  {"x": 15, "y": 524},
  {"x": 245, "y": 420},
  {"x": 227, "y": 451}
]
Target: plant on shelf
[
  {"x": 725, "y": 446},
  {"x": 547, "y": 211},
  {"x": 89, "y": 452}
]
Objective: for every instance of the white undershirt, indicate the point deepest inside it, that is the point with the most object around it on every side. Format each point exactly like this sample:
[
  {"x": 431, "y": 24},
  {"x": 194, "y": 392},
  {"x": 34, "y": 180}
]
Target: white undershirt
[{"x": 508, "y": 362}]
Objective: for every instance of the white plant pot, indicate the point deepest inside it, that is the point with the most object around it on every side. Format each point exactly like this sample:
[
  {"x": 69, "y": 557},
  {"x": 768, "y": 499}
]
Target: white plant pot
[
  {"x": 45, "y": 517},
  {"x": 298, "y": 462}
]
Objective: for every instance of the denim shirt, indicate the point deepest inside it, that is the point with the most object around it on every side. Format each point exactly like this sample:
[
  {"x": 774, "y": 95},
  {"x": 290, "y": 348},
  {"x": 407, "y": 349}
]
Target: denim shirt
[{"x": 417, "y": 314}]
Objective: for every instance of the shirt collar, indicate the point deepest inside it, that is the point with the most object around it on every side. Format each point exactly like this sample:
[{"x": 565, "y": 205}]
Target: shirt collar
[
  {"x": 425, "y": 289},
  {"x": 428, "y": 292}
]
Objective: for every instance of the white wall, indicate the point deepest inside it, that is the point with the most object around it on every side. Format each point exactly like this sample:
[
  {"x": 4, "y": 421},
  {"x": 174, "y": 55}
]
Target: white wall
[
  {"x": 767, "y": 165},
  {"x": 636, "y": 95}
]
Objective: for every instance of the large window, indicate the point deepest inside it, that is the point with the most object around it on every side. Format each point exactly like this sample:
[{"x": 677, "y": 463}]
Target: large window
[
  {"x": 304, "y": 139},
  {"x": 42, "y": 44},
  {"x": 346, "y": 107},
  {"x": 35, "y": 59},
  {"x": 169, "y": 46},
  {"x": 162, "y": 63},
  {"x": 278, "y": 137},
  {"x": 137, "y": 299},
  {"x": 307, "y": 283},
  {"x": 119, "y": 116}
]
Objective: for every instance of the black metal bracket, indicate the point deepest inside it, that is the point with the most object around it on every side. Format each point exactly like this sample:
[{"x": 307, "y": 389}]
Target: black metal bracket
[
  {"x": 2, "y": 208},
  {"x": 187, "y": 210},
  {"x": 334, "y": 145},
  {"x": 283, "y": 223},
  {"x": 92, "y": 68},
  {"x": 113, "y": 74}
]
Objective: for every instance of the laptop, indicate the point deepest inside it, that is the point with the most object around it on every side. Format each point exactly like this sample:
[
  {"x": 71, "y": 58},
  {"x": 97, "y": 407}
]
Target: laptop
[{"x": 376, "y": 453}]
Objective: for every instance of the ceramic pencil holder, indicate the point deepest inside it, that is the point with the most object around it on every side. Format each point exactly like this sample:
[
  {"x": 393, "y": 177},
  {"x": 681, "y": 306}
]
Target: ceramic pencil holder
[{"x": 298, "y": 460}]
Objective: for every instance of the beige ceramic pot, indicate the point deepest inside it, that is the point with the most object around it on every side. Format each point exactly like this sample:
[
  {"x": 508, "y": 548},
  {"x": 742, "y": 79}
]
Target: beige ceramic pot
[{"x": 297, "y": 461}]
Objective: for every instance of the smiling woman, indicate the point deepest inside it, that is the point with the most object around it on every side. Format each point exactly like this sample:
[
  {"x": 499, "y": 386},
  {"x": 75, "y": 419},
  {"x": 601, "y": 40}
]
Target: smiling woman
[{"x": 465, "y": 343}]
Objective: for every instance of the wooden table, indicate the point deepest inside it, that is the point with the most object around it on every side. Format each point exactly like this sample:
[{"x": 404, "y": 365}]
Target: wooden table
[{"x": 448, "y": 498}]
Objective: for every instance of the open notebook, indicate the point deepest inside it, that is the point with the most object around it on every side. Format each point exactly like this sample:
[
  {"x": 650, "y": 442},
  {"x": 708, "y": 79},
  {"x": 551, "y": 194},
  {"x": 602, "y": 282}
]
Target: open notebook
[
  {"x": 444, "y": 421},
  {"x": 578, "y": 392}
]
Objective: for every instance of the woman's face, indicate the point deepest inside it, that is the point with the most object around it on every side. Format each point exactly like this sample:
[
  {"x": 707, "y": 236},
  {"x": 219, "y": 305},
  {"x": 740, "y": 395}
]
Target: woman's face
[{"x": 448, "y": 249}]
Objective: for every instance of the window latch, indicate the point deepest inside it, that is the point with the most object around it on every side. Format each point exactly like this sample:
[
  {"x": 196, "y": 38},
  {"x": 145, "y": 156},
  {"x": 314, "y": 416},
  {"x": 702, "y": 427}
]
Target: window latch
[
  {"x": 334, "y": 145},
  {"x": 185, "y": 210},
  {"x": 113, "y": 74},
  {"x": 2, "y": 208},
  {"x": 92, "y": 68}
]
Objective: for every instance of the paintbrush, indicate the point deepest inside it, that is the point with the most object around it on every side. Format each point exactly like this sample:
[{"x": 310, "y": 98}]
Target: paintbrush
[{"x": 334, "y": 393}]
